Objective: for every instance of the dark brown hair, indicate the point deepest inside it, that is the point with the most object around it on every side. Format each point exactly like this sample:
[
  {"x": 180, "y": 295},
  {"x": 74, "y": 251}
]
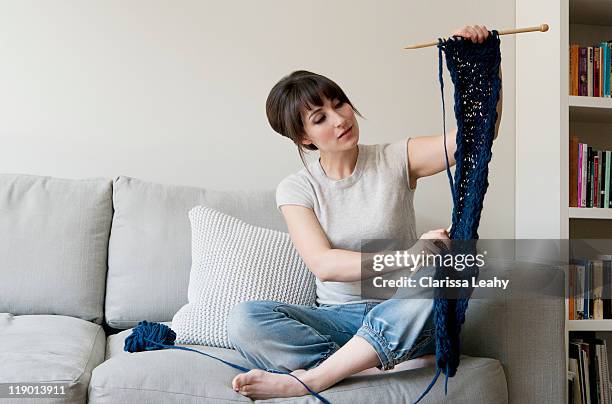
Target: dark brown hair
[{"x": 300, "y": 89}]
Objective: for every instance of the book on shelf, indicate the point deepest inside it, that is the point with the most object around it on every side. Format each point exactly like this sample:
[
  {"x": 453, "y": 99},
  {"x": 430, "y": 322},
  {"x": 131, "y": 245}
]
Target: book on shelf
[
  {"x": 597, "y": 295},
  {"x": 590, "y": 175},
  {"x": 574, "y": 183},
  {"x": 604, "y": 371},
  {"x": 590, "y": 69},
  {"x": 588, "y": 369},
  {"x": 589, "y": 288},
  {"x": 574, "y": 392},
  {"x": 595, "y": 189}
]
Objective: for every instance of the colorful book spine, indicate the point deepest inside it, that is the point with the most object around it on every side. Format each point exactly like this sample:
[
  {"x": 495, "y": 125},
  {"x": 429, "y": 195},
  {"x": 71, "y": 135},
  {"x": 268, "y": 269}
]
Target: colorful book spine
[
  {"x": 595, "y": 179},
  {"x": 584, "y": 175},
  {"x": 602, "y": 177},
  {"x": 608, "y": 67},
  {"x": 605, "y": 69},
  {"x": 587, "y": 290},
  {"x": 607, "y": 301},
  {"x": 580, "y": 270},
  {"x": 605, "y": 373},
  {"x": 580, "y": 145},
  {"x": 589, "y": 177},
  {"x": 589, "y": 71},
  {"x": 597, "y": 290},
  {"x": 607, "y": 180},
  {"x": 582, "y": 70},
  {"x": 599, "y": 180},
  {"x": 597, "y": 71},
  {"x": 574, "y": 69},
  {"x": 610, "y": 185}
]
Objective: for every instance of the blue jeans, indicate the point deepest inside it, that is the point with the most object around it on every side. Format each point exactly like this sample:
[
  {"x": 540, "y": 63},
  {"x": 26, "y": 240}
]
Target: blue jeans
[{"x": 274, "y": 335}]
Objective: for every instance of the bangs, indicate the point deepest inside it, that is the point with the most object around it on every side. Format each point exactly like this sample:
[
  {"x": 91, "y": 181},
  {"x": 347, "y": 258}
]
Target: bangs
[{"x": 307, "y": 93}]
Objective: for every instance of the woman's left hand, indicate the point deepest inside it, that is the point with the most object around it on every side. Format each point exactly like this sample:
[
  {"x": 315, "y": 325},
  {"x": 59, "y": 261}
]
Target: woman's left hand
[{"x": 477, "y": 33}]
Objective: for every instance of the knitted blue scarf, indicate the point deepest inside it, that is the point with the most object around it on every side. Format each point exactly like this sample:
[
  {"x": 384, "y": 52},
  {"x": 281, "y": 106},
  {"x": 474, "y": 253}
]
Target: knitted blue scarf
[{"x": 474, "y": 70}]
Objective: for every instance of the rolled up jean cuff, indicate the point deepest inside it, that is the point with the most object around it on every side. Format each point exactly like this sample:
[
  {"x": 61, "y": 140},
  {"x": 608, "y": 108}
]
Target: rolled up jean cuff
[
  {"x": 380, "y": 345},
  {"x": 333, "y": 348}
]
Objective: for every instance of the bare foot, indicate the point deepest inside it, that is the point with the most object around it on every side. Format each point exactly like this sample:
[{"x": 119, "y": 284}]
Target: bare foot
[{"x": 259, "y": 384}]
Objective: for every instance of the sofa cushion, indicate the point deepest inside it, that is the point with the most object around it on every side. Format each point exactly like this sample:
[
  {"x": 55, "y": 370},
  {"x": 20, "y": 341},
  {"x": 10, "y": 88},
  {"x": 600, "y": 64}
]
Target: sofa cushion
[
  {"x": 232, "y": 262},
  {"x": 174, "y": 376},
  {"x": 53, "y": 243},
  {"x": 150, "y": 244},
  {"x": 49, "y": 348}
]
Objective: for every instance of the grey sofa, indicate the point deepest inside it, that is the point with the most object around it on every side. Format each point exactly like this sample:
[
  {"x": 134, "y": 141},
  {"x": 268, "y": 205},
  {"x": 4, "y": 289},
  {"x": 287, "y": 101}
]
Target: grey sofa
[{"x": 83, "y": 261}]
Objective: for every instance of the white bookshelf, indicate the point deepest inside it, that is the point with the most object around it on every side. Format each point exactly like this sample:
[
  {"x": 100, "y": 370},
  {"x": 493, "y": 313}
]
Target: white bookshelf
[
  {"x": 590, "y": 109},
  {"x": 590, "y": 213},
  {"x": 589, "y": 325},
  {"x": 590, "y": 118},
  {"x": 546, "y": 116}
]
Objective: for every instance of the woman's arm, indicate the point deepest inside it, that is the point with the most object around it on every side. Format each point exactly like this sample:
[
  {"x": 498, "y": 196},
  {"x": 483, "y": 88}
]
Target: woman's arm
[
  {"x": 338, "y": 265},
  {"x": 326, "y": 263},
  {"x": 426, "y": 157}
]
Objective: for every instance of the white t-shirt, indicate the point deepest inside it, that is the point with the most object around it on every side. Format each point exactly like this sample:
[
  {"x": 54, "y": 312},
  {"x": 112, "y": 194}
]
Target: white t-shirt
[{"x": 374, "y": 202}]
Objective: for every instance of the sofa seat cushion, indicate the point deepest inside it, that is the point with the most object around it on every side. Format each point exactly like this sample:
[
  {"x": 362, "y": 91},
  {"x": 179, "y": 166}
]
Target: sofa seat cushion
[
  {"x": 175, "y": 376},
  {"x": 50, "y": 348}
]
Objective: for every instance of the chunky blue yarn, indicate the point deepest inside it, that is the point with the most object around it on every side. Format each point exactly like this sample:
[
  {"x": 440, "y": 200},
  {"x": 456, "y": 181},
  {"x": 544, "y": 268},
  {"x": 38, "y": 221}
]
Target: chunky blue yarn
[
  {"x": 474, "y": 70},
  {"x": 145, "y": 334},
  {"x": 148, "y": 336}
]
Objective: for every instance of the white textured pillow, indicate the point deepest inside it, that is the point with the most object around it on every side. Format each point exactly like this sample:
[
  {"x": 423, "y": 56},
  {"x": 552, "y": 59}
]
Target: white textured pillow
[{"x": 233, "y": 261}]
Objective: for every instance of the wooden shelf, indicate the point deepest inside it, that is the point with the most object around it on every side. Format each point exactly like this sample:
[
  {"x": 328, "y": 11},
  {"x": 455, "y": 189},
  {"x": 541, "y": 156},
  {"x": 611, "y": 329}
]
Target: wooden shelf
[
  {"x": 589, "y": 325},
  {"x": 590, "y": 109},
  {"x": 590, "y": 213}
]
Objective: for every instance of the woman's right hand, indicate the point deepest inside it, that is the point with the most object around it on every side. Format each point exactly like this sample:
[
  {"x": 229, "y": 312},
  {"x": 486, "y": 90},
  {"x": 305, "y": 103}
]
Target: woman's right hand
[
  {"x": 426, "y": 245},
  {"x": 433, "y": 240}
]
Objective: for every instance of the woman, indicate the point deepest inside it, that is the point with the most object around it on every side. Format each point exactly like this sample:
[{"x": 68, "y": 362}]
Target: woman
[{"x": 353, "y": 192}]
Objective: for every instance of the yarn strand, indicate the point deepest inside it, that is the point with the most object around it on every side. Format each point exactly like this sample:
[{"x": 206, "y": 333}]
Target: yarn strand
[{"x": 147, "y": 336}]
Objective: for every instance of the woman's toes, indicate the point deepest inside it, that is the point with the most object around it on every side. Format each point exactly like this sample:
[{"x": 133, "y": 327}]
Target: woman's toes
[
  {"x": 236, "y": 383},
  {"x": 239, "y": 381},
  {"x": 244, "y": 379}
]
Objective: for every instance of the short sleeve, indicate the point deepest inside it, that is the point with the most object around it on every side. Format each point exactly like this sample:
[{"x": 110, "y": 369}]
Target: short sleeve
[
  {"x": 294, "y": 190},
  {"x": 396, "y": 156}
]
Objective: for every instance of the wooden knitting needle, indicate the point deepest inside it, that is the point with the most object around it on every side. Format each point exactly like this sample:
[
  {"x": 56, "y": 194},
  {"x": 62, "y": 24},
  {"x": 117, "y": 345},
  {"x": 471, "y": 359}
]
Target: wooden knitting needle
[{"x": 541, "y": 28}]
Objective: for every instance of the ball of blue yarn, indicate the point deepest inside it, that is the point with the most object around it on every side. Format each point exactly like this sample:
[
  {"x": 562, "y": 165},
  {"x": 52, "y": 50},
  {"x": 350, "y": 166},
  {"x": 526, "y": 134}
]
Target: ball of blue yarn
[{"x": 145, "y": 336}]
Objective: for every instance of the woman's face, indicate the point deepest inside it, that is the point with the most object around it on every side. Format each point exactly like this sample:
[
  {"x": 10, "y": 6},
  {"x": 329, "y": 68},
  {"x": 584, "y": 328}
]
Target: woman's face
[{"x": 331, "y": 127}]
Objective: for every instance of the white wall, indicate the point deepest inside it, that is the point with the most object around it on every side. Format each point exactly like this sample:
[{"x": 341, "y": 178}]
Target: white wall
[
  {"x": 174, "y": 91},
  {"x": 539, "y": 202}
]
